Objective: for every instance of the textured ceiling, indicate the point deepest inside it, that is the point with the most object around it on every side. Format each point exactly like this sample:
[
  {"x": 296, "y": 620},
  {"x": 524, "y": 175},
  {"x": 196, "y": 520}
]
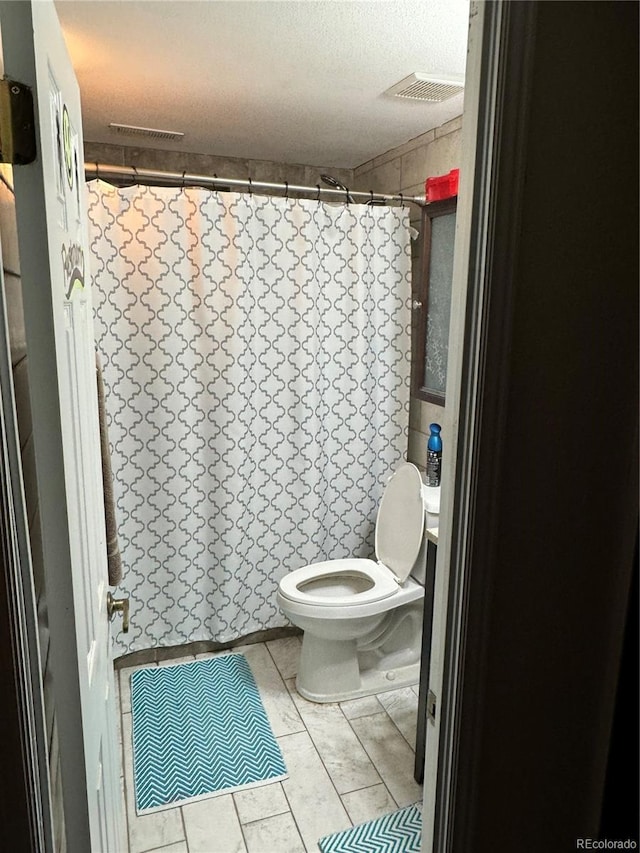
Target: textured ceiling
[{"x": 297, "y": 82}]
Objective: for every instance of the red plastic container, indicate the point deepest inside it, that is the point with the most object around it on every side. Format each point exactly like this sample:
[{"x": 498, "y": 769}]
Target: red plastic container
[{"x": 443, "y": 186}]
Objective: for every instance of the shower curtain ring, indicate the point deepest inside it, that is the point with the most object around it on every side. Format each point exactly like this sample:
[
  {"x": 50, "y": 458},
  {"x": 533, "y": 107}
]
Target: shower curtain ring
[
  {"x": 136, "y": 179},
  {"x": 184, "y": 172},
  {"x": 371, "y": 199},
  {"x": 250, "y": 187},
  {"x": 348, "y": 199},
  {"x": 401, "y": 200},
  {"x": 318, "y": 194}
]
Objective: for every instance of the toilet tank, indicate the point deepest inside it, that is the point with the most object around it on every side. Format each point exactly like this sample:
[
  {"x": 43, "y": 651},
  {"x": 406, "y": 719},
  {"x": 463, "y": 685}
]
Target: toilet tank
[{"x": 431, "y": 497}]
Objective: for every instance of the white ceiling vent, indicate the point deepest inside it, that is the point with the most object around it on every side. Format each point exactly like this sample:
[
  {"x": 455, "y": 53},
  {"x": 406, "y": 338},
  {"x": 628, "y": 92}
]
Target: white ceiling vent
[
  {"x": 148, "y": 132},
  {"x": 422, "y": 87}
]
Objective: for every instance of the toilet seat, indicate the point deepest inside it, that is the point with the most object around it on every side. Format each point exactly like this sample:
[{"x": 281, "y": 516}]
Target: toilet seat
[
  {"x": 339, "y": 583},
  {"x": 398, "y": 537}
]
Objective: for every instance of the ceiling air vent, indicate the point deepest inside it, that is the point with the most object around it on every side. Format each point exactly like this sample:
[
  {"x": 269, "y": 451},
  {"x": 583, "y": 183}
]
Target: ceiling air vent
[
  {"x": 422, "y": 87},
  {"x": 148, "y": 132}
]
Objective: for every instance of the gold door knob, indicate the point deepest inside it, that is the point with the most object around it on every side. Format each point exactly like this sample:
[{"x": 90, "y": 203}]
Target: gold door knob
[{"x": 118, "y": 605}]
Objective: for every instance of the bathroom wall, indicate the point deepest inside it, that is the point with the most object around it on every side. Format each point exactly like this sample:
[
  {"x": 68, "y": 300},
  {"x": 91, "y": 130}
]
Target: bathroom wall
[
  {"x": 404, "y": 170},
  {"x": 400, "y": 170},
  {"x": 210, "y": 164}
]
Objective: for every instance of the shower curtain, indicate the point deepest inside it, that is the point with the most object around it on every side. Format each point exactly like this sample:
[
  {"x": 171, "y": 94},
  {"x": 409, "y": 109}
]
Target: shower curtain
[{"x": 256, "y": 359}]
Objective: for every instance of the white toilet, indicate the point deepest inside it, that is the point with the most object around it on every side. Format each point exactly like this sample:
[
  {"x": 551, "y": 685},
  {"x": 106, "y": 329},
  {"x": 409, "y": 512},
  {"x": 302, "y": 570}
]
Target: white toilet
[{"x": 362, "y": 619}]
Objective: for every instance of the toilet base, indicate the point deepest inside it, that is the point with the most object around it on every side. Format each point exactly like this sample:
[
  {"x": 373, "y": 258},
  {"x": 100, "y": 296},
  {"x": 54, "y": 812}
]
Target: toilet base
[{"x": 329, "y": 672}]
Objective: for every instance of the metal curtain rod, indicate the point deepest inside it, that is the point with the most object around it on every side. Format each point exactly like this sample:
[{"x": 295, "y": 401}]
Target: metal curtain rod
[{"x": 150, "y": 176}]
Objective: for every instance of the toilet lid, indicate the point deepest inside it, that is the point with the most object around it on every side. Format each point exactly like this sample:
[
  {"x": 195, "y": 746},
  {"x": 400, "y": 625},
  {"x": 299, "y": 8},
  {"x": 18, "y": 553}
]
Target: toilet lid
[{"x": 400, "y": 522}]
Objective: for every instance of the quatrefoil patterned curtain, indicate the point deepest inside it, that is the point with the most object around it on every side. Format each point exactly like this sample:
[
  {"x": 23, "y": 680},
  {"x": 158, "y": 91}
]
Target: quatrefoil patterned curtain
[{"x": 256, "y": 358}]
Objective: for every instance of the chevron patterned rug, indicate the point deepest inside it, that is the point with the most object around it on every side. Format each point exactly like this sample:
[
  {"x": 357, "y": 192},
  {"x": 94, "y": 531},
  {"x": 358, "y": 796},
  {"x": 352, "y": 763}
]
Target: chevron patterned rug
[
  {"x": 199, "y": 730},
  {"x": 399, "y": 832}
]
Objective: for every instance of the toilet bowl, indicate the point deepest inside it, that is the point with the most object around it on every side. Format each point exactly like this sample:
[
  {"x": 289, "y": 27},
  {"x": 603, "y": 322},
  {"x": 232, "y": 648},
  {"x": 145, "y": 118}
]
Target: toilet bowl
[{"x": 362, "y": 619}]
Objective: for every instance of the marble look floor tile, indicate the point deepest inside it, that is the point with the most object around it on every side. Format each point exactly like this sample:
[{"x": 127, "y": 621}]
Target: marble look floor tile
[
  {"x": 212, "y": 826},
  {"x": 316, "y": 807},
  {"x": 354, "y": 708},
  {"x": 286, "y": 654},
  {"x": 391, "y": 755},
  {"x": 368, "y": 803},
  {"x": 123, "y": 834},
  {"x": 175, "y": 661},
  {"x": 402, "y": 706},
  {"x": 152, "y": 830},
  {"x": 294, "y": 814},
  {"x": 118, "y": 721},
  {"x": 125, "y": 684},
  {"x": 347, "y": 763},
  {"x": 281, "y": 711},
  {"x": 259, "y": 803},
  {"x": 180, "y": 847},
  {"x": 277, "y": 834},
  {"x": 214, "y": 654}
]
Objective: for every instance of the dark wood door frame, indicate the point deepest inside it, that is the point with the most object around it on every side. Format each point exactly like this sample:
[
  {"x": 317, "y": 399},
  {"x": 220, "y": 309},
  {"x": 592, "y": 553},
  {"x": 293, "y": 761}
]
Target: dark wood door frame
[
  {"x": 539, "y": 588},
  {"x": 25, "y": 800}
]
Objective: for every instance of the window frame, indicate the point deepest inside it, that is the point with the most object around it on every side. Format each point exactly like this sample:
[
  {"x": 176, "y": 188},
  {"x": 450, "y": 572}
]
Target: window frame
[{"x": 420, "y": 300}]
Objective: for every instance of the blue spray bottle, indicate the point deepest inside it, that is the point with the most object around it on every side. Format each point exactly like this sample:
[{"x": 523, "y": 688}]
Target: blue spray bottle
[{"x": 434, "y": 455}]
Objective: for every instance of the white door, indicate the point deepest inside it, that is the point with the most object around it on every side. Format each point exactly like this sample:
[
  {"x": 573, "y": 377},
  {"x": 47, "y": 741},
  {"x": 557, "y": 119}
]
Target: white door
[{"x": 52, "y": 231}]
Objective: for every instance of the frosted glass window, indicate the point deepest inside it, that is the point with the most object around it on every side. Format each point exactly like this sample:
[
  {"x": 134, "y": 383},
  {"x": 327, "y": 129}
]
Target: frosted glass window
[
  {"x": 432, "y": 301},
  {"x": 443, "y": 231}
]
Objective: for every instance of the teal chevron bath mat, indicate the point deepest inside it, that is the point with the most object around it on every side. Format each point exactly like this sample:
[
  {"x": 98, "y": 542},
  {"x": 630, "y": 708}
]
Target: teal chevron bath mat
[
  {"x": 199, "y": 729},
  {"x": 399, "y": 832}
]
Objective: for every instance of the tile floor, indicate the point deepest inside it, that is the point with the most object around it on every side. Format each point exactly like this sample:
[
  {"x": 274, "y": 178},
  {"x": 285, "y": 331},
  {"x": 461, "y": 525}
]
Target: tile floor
[{"x": 348, "y": 762}]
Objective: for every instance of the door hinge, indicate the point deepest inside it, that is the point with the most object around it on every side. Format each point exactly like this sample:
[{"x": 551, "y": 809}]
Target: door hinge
[
  {"x": 431, "y": 706},
  {"x": 17, "y": 123}
]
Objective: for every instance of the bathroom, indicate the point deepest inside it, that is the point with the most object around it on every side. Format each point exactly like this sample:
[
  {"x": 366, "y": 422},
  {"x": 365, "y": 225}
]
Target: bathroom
[
  {"x": 402, "y": 169},
  {"x": 373, "y": 780},
  {"x": 542, "y": 616}
]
